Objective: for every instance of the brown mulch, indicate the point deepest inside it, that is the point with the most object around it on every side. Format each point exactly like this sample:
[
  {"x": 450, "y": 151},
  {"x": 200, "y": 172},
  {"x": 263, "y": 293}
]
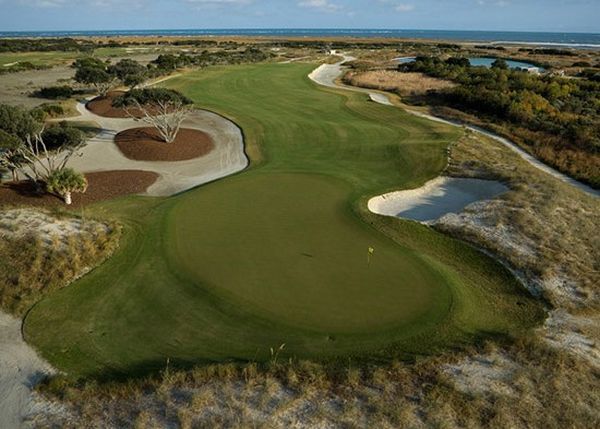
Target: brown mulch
[
  {"x": 145, "y": 144},
  {"x": 103, "y": 185},
  {"x": 102, "y": 106}
]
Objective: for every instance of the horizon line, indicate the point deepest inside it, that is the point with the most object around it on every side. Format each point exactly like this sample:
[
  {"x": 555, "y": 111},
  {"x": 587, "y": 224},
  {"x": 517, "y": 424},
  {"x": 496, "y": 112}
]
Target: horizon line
[{"x": 295, "y": 29}]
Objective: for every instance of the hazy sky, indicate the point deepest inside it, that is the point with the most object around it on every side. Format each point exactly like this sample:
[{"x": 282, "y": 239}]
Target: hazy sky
[{"x": 518, "y": 15}]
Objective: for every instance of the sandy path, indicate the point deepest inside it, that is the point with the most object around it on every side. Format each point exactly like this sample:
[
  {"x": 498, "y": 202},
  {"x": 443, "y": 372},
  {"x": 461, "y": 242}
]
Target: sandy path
[
  {"x": 20, "y": 369},
  {"x": 228, "y": 157},
  {"x": 327, "y": 74}
]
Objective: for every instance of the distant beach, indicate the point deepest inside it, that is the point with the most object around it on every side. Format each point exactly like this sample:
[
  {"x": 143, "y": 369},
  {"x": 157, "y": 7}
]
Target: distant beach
[{"x": 575, "y": 40}]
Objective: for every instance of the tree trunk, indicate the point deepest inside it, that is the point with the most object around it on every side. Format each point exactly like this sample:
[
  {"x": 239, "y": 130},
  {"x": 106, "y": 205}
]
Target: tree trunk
[
  {"x": 68, "y": 198},
  {"x": 15, "y": 175}
]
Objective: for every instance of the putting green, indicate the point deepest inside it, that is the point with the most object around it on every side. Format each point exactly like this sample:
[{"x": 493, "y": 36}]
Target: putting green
[
  {"x": 325, "y": 279},
  {"x": 279, "y": 254}
]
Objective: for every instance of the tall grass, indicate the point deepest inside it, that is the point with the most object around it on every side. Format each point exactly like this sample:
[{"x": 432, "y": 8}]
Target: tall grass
[{"x": 32, "y": 266}]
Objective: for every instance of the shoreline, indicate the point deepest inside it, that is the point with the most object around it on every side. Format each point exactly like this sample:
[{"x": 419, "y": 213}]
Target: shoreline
[{"x": 573, "y": 40}]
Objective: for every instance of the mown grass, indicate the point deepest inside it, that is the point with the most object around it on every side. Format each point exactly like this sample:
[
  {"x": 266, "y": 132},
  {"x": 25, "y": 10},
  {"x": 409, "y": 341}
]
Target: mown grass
[{"x": 279, "y": 254}]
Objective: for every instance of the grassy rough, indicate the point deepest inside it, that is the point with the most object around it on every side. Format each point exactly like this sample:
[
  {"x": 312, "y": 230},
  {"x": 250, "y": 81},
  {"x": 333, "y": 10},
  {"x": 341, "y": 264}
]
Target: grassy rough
[
  {"x": 546, "y": 229},
  {"x": 34, "y": 264},
  {"x": 553, "y": 391},
  {"x": 401, "y": 83}
]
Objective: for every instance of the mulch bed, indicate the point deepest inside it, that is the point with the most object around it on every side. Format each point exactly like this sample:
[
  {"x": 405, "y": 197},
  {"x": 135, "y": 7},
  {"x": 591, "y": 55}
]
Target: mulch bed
[
  {"x": 145, "y": 144},
  {"x": 102, "y": 106},
  {"x": 104, "y": 185}
]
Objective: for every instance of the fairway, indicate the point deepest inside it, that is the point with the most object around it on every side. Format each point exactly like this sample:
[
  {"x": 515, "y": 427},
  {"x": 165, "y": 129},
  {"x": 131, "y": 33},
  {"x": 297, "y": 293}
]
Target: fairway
[{"x": 279, "y": 254}]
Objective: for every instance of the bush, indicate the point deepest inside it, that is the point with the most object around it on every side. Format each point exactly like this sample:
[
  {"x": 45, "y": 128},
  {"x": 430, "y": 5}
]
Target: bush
[
  {"x": 49, "y": 110},
  {"x": 581, "y": 64},
  {"x": 55, "y": 92}
]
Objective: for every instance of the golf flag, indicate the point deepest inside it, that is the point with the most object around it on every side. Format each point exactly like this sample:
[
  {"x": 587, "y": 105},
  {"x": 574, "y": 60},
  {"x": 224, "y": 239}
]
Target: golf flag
[{"x": 369, "y": 254}]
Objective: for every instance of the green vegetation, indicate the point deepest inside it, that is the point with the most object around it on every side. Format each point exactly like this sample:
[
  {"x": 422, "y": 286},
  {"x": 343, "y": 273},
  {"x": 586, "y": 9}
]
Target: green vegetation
[
  {"x": 64, "y": 182},
  {"x": 556, "y": 119},
  {"x": 278, "y": 255},
  {"x": 28, "y": 147},
  {"x": 62, "y": 92},
  {"x": 64, "y": 44}
]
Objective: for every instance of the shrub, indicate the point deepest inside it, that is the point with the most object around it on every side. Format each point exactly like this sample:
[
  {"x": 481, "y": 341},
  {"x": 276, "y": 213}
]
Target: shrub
[
  {"x": 581, "y": 64},
  {"x": 49, "y": 110},
  {"x": 55, "y": 92}
]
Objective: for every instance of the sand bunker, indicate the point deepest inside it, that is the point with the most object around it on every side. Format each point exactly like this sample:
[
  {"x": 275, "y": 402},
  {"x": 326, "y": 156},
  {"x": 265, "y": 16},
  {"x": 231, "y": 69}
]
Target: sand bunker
[
  {"x": 436, "y": 198},
  {"x": 226, "y": 157}
]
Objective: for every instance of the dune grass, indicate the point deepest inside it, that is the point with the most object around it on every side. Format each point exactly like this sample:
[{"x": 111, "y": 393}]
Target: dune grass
[{"x": 278, "y": 254}]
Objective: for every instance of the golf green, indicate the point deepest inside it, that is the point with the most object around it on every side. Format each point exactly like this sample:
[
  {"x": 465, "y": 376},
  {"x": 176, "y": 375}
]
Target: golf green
[
  {"x": 325, "y": 279},
  {"x": 279, "y": 254}
]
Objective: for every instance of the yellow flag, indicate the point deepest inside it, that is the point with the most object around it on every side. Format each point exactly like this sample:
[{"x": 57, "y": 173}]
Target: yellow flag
[{"x": 371, "y": 252}]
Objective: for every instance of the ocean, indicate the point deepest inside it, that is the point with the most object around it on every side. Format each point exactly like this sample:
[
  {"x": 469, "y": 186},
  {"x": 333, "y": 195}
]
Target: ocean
[{"x": 583, "y": 40}]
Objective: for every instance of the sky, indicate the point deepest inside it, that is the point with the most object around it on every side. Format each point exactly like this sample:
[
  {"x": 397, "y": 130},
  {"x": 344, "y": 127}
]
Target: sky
[{"x": 494, "y": 15}]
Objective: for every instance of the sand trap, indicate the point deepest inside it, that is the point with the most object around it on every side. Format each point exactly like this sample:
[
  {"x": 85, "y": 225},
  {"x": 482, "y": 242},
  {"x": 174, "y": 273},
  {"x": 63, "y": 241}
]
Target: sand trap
[
  {"x": 227, "y": 157},
  {"x": 436, "y": 198}
]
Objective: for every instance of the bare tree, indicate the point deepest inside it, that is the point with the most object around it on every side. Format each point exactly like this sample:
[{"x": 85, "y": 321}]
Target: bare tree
[
  {"x": 43, "y": 162},
  {"x": 35, "y": 160},
  {"x": 163, "y": 109}
]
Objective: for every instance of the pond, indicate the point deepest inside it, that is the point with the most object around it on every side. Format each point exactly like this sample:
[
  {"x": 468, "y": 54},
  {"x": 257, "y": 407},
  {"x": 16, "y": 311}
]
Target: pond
[
  {"x": 481, "y": 62},
  {"x": 487, "y": 62}
]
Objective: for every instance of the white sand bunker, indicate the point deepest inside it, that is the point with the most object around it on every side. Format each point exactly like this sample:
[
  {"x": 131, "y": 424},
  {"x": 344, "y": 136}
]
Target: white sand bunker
[{"x": 436, "y": 198}]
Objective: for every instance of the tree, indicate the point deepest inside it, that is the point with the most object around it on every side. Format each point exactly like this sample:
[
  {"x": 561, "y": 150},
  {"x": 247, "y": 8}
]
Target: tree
[
  {"x": 55, "y": 92},
  {"x": 101, "y": 79},
  {"x": 166, "y": 62},
  {"x": 164, "y": 109},
  {"x": 26, "y": 146},
  {"x": 62, "y": 135},
  {"x": 458, "y": 61},
  {"x": 66, "y": 181},
  {"x": 500, "y": 63},
  {"x": 92, "y": 62},
  {"x": 18, "y": 121},
  {"x": 10, "y": 157},
  {"x": 130, "y": 72}
]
